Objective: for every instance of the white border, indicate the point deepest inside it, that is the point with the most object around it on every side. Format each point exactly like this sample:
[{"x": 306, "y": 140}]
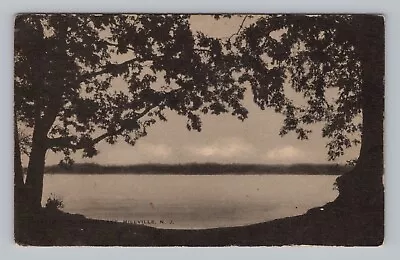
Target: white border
[{"x": 8, "y": 8}]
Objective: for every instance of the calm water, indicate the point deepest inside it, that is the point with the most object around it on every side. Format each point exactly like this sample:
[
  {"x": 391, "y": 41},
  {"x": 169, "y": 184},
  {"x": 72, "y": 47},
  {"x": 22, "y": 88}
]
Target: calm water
[{"x": 181, "y": 201}]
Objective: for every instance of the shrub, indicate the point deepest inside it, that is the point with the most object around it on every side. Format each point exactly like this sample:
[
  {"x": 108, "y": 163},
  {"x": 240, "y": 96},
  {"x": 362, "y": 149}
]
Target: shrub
[{"x": 54, "y": 203}]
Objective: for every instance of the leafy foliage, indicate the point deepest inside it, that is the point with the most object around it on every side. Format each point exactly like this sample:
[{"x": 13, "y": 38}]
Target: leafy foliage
[
  {"x": 311, "y": 55},
  {"x": 54, "y": 203},
  {"x": 67, "y": 67}
]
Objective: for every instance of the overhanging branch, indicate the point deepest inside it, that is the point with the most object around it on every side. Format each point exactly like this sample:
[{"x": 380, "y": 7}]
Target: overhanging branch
[
  {"x": 240, "y": 28},
  {"x": 117, "y": 45},
  {"x": 67, "y": 141},
  {"x": 109, "y": 68}
]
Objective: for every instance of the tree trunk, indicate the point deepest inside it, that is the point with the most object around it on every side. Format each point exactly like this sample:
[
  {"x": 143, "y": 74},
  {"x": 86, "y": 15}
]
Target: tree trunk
[
  {"x": 34, "y": 180},
  {"x": 18, "y": 170},
  {"x": 19, "y": 197},
  {"x": 362, "y": 188}
]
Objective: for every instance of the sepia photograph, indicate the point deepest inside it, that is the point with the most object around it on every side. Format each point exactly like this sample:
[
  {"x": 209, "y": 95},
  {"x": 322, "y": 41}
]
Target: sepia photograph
[{"x": 198, "y": 130}]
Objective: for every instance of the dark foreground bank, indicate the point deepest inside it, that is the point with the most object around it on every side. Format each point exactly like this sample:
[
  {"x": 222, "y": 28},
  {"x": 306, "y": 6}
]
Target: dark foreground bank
[{"x": 330, "y": 225}]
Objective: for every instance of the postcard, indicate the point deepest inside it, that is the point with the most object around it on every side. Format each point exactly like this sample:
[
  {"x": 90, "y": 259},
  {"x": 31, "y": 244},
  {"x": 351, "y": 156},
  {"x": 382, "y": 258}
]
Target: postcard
[{"x": 198, "y": 129}]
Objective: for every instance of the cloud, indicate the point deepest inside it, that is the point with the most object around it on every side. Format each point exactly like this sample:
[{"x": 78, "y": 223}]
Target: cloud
[
  {"x": 286, "y": 153},
  {"x": 157, "y": 150},
  {"x": 230, "y": 147}
]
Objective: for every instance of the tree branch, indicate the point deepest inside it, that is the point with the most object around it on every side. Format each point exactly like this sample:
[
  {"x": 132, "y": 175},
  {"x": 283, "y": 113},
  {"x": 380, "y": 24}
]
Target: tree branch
[
  {"x": 108, "y": 68},
  {"x": 66, "y": 141},
  {"x": 116, "y": 45},
  {"x": 122, "y": 128},
  {"x": 240, "y": 28}
]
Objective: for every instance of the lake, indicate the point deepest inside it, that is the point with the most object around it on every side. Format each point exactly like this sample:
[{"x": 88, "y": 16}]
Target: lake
[{"x": 190, "y": 202}]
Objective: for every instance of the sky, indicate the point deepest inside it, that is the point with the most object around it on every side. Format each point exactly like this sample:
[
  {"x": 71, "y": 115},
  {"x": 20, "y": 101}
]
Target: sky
[{"x": 224, "y": 138}]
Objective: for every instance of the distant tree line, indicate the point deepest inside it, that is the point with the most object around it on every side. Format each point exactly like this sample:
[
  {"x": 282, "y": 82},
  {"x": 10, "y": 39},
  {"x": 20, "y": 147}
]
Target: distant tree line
[{"x": 201, "y": 169}]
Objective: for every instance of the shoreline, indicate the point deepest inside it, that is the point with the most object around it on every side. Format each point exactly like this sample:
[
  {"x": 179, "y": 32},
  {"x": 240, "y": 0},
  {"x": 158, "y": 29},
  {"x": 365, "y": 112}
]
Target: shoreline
[
  {"x": 201, "y": 169},
  {"x": 333, "y": 226}
]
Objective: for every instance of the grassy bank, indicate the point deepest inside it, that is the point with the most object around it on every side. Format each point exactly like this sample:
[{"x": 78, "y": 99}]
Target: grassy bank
[
  {"x": 200, "y": 168},
  {"x": 331, "y": 226}
]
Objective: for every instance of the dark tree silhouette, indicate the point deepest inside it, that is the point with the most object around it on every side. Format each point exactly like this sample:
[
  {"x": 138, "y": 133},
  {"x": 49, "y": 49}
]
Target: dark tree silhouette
[
  {"x": 312, "y": 55},
  {"x": 65, "y": 94},
  {"x": 65, "y": 66}
]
